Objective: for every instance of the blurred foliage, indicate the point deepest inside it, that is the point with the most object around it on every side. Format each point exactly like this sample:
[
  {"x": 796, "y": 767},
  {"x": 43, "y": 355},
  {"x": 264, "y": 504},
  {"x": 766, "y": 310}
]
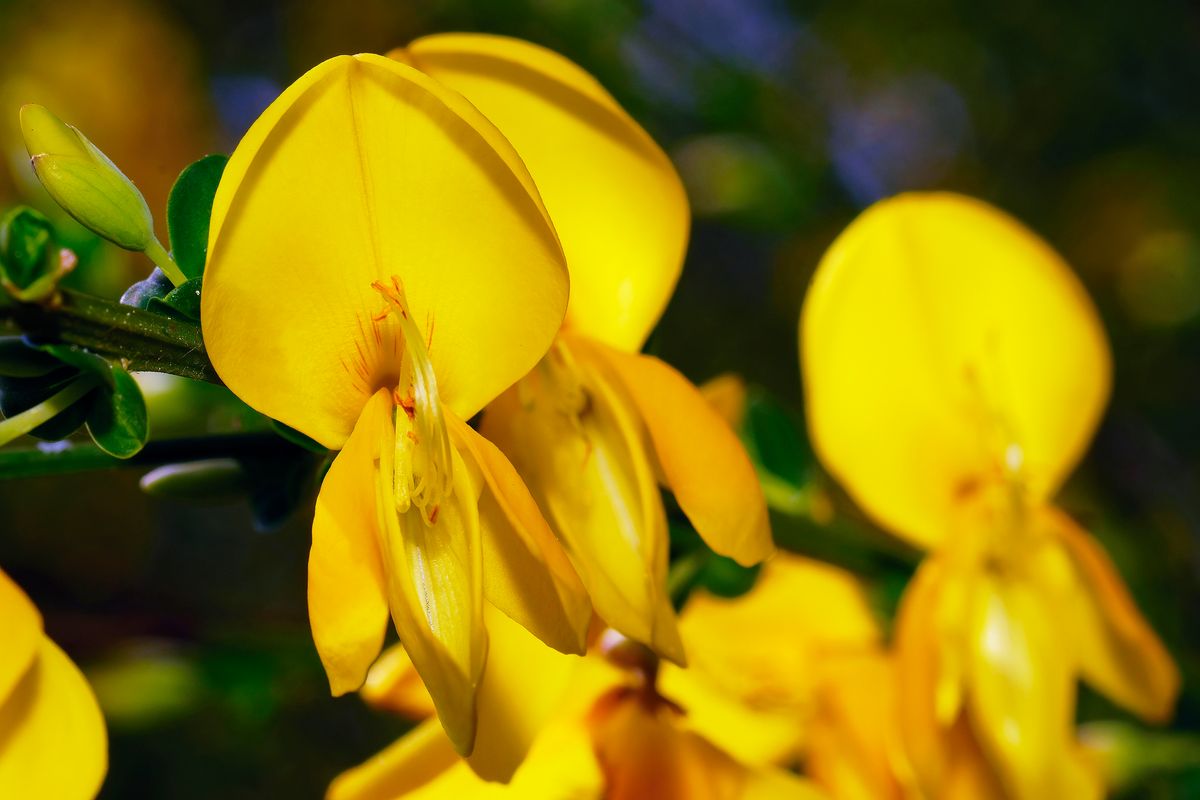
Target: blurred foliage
[{"x": 785, "y": 119}]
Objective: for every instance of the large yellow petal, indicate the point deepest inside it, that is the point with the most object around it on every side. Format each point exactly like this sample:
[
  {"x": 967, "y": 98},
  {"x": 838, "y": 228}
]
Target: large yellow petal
[
  {"x": 434, "y": 577},
  {"x": 364, "y": 169},
  {"x": 22, "y": 634},
  {"x": 943, "y": 343},
  {"x": 53, "y": 742},
  {"x": 616, "y": 200},
  {"x": 702, "y": 459},
  {"x": 347, "y": 595},
  {"x": 1119, "y": 653},
  {"x": 526, "y": 573},
  {"x": 573, "y": 437},
  {"x": 1021, "y": 686}
]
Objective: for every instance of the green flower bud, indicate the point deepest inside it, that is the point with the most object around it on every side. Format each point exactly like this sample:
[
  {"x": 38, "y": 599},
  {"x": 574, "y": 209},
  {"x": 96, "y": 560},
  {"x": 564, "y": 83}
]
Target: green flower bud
[
  {"x": 31, "y": 262},
  {"x": 84, "y": 182}
]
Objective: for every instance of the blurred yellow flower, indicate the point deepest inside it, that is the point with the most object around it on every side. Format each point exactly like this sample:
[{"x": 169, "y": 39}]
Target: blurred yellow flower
[
  {"x": 955, "y": 371},
  {"x": 595, "y": 426},
  {"x": 593, "y": 730},
  {"x": 381, "y": 267},
  {"x": 756, "y": 661},
  {"x": 771, "y": 684},
  {"x": 52, "y": 738}
]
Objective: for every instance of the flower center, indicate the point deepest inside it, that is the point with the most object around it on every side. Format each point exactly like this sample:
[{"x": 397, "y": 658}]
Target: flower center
[{"x": 423, "y": 459}]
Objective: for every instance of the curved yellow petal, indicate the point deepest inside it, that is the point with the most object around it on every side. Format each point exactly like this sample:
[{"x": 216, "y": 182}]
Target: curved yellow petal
[
  {"x": 22, "y": 634},
  {"x": 702, "y": 459},
  {"x": 617, "y": 202},
  {"x": 393, "y": 685},
  {"x": 1021, "y": 686},
  {"x": 574, "y": 439},
  {"x": 53, "y": 743},
  {"x": 920, "y": 674},
  {"x": 362, "y": 170},
  {"x": 1119, "y": 652},
  {"x": 526, "y": 573},
  {"x": 347, "y": 596},
  {"x": 434, "y": 576},
  {"x": 943, "y": 344},
  {"x": 416, "y": 759}
]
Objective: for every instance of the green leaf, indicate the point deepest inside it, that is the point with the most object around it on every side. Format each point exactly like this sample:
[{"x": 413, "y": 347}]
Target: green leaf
[
  {"x": 19, "y": 359},
  {"x": 189, "y": 208},
  {"x": 182, "y": 303},
  {"x": 725, "y": 577},
  {"x": 31, "y": 261},
  {"x": 117, "y": 418},
  {"x": 118, "y": 422},
  {"x": 775, "y": 442},
  {"x": 27, "y": 247}
]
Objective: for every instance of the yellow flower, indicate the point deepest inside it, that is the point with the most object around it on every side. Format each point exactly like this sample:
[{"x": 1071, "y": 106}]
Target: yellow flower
[
  {"x": 767, "y": 687},
  {"x": 52, "y": 737},
  {"x": 955, "y": 371},
  {"x": 597, "y": 730},
  {"x": 595, "y": 425},
  {"x": 381, "y": 267},
  {"x": 755, "y": 661}
]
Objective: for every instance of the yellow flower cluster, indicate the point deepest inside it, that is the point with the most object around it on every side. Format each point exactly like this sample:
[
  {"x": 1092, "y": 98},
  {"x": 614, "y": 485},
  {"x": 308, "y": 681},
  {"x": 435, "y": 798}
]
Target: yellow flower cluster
[{"x": 472, "y": 228}]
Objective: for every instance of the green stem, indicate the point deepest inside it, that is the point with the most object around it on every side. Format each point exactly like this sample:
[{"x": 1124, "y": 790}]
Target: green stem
[
  {"x": 782, "y": 496},
  {"x": 141, "y": 341},
  {"x": 162, "y": 259},
  {"x": 27, "y": 420}
]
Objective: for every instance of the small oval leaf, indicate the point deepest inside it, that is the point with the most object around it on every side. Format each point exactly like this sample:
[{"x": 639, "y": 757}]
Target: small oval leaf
[
  {"x": 188, "y": 210},
  {"x": 118, "y": 422},
  {"x": 182, "y": 303}
]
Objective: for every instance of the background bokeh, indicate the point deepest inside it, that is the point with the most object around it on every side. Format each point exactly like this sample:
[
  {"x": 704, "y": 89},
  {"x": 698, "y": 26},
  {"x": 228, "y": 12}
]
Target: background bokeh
[{"x": 785, "y": 119}]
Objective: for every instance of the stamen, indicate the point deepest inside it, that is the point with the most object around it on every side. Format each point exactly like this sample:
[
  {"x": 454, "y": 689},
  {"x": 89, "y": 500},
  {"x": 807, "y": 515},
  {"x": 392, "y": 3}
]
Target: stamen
[{"x": 422, "y": 474}]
